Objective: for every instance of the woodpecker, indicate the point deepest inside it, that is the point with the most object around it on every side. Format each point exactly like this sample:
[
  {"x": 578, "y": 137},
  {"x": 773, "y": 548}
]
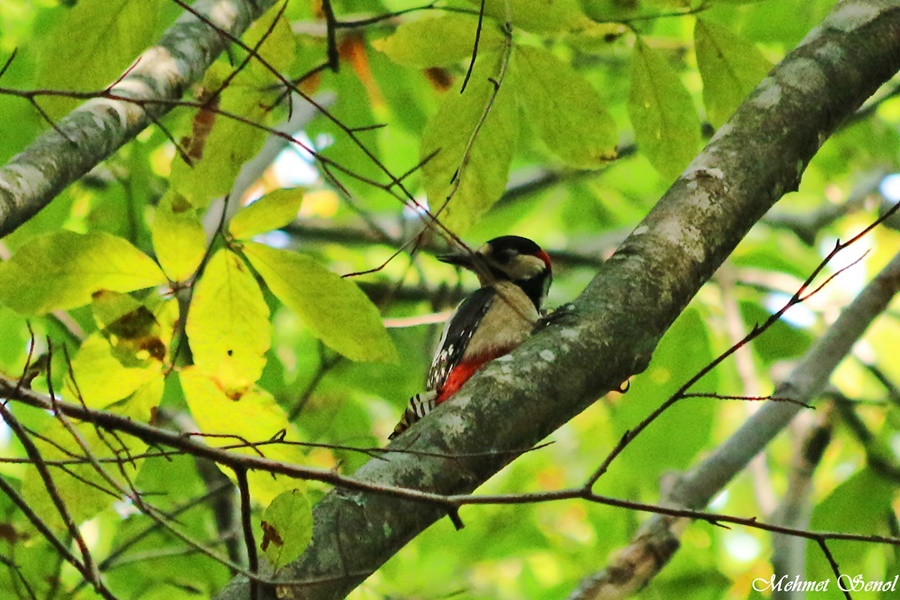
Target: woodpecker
[{"x": 515, "y": 275}]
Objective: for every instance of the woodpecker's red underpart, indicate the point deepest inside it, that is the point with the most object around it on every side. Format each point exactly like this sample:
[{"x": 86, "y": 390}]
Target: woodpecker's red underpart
[{"x": 458, "y": 376}]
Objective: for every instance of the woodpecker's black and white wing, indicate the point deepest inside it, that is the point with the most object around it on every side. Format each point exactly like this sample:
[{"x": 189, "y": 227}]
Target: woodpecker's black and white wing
[
  {"x": 449, "y": 356},
  {"x": 456, "y": 336}
]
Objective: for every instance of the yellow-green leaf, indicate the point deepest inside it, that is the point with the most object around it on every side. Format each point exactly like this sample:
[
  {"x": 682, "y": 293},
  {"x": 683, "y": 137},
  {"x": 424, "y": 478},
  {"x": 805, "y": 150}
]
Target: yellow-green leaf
[
  {"x": 178, "y": 237},
  {"x": 287, "y": 526},
  {"x": 217, "y": 145},
  {"x": 731, "y": 66},
  {"x": 130, "y": 328},
  {"x": 564, "y": 109},
  {"x": 537, "y": 15},
  {"x": 596, "y": 38},
  {"x": 467, "y": 166},
  {"x": 63, "y": 269},
  {"x": 278, "y": 46},
  {"x": 101, "y": 378},
  {"x": 272, "y": 211},
  {"x": 109, "y": 307},
  {"x": 335, "y": 309},
  {"x": 666, "y": 126},
  {"x": 440, "y": 41},
  {"x": 254, "y": 416},
  {"x": 228, "y": 323},
  {"x": 140, "y": 406},
  {"x": 251, "y": 417}
]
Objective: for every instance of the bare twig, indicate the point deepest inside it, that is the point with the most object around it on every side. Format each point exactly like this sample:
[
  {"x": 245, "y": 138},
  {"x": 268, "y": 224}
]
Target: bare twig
[
  {"x": 802, "y": 294},
  {"x": 474, "y": 48},
  {"x": 247, "y": 526},
  {"x": 86, "y": 566}
]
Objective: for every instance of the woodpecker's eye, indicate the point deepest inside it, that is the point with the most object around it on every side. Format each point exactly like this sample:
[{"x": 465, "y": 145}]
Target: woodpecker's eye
[{"x": 507, "y": 254}]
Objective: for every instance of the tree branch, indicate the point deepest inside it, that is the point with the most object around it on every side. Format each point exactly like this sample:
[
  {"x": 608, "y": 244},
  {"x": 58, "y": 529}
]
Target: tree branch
[
  {"x": 618, "y": 320},
  {"x": 795, "y": 510},
  {"x": 99, "y": 127},
  {"x": 657, "y": 539}
]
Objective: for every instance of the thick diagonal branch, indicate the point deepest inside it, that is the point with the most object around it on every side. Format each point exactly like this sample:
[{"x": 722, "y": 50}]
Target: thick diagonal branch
[{"x": 753, "y": 160}]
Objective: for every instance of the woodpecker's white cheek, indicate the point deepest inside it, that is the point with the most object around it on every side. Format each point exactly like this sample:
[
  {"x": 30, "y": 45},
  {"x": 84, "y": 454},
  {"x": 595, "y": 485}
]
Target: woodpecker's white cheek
[{"x": 524, "y": 266}]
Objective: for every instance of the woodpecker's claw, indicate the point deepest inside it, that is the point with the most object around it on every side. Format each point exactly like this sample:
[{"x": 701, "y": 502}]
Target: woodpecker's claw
[{"x": 557, "y": 314}]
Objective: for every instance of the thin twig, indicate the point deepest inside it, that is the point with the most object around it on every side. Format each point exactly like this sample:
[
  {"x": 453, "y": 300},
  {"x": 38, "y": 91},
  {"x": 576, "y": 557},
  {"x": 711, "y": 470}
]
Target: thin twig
[
  {"x": 62, "y": 549},
  {"x": 88, "y": 568},
  {"x": 474, "y": 48},
  {"x": 247, "y": 526},
  {"x": 334, "y": 58},
  {"x": 8, "y": 62},
  {"x": 799, "y": 296}
]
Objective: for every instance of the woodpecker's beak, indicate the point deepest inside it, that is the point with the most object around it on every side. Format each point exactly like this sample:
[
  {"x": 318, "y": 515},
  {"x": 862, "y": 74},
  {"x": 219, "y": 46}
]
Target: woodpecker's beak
[{"x": 460, "y": 259}]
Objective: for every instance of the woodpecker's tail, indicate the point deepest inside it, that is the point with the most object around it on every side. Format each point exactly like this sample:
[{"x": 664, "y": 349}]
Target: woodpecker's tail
[{"x": 419, "y": 406}]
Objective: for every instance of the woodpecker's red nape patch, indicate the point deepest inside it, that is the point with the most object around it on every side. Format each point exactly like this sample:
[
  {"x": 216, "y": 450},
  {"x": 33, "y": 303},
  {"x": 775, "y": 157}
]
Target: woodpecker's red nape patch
[
  {"x": 458, "y": 376},
  {"x": 544, "y": 257}
]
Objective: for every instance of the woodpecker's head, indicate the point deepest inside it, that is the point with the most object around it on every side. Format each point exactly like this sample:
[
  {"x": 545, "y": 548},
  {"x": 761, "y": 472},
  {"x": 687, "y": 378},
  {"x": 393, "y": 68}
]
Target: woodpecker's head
[{"x": 509, "y": 258}]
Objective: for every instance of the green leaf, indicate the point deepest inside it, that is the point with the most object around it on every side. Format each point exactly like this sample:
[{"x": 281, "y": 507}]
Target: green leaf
[
  {"x": 272, "y": 211},
  {"x": 731, "y": 66},
  {"x": 666, "y": 126},
  {"x": 564, "y": 109},
  {"x": 80, "y": 487},
  {"x": 438, "y": 42},
  {"x": 63, "y": 269},
  {"x": 335, "y": 309},
  {"x": 782, "y": 341},
  {"x": 470, "y": 167},
  {"x": 287, "y": 526},
  {"x": 94, "y": 44},
  {"x": 99, "y": 378},
  {"x": 538, "y": 15},
  {"x": 14, "y": 339},
  {"x": 178, "y": 237},
  {"x": 855, "y": 506},
  {"x": 684, "y": 350},
  {"x": 219, "y": 145},
  {"x": 250, "y": 417},
  {"x": 228, "y": 323}
]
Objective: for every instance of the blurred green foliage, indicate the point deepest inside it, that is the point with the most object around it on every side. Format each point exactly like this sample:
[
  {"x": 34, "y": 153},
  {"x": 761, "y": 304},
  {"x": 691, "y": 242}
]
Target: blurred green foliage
[{"x": 576, "y": 80}]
